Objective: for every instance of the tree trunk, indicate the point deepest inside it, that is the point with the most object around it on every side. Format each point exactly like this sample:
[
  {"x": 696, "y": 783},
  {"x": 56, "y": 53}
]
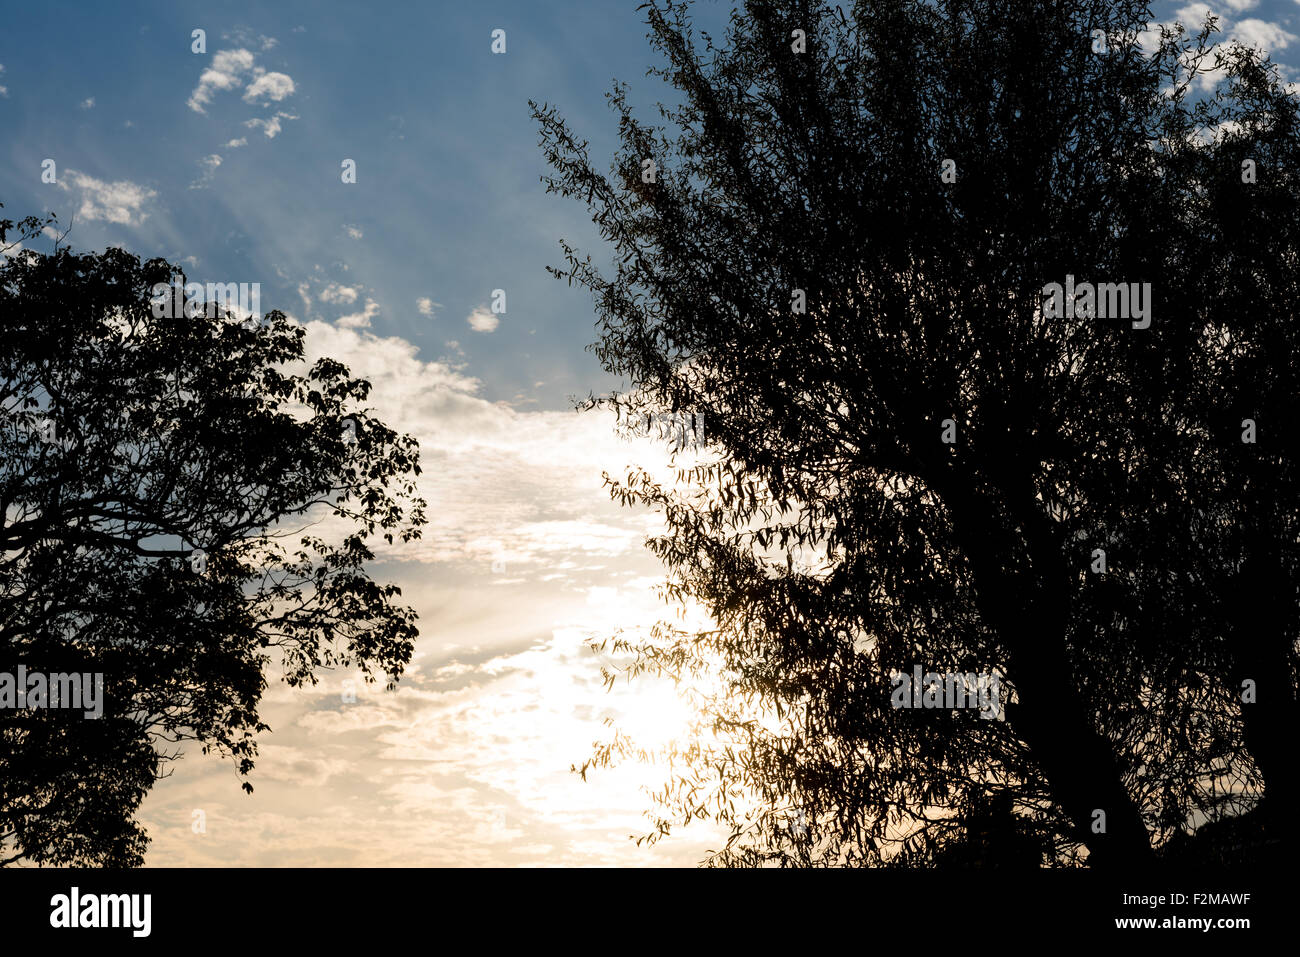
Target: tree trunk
[
  {"x": 1029, "y": 610},
  {"x": 1262, "y": 652}
]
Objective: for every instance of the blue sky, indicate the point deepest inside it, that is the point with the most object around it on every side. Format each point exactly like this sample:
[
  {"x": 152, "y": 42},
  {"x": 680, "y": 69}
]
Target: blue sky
[
  {"x": 446, "y": 206},
  {"x": 525, "y": 558}
]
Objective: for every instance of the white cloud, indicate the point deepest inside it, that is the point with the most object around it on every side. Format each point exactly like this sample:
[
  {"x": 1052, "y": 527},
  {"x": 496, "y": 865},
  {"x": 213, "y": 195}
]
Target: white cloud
[
  {"x": 245, "y": 38},
  {"x": 230, "y": 69},
  {"x": 224, "y": 74},
  {"x": 482, "y": 320},
  {"x": 209, "y": 166},
  {"x": 354, "y": 232},
  {"x": 271, "y": 127},
  {"x": 1262, "y": 34},
  {"x": 4, "y": 90},
  {"x": 1239, "y": 5},
  {"x": 529, "y": 479},
  {"x": 467, "y": 763},
  {"x": 236, "y": 144},
  {"x": 121, "y": 202},
  {"x": 1193, "y": 15},
  {"x": 269, "y": 86},
  {"x": 339, "y": 294},
  {"x": 426, "y": 305},
  {"x": 88, "y": 103},
  {"x": 358, "y": 320}
]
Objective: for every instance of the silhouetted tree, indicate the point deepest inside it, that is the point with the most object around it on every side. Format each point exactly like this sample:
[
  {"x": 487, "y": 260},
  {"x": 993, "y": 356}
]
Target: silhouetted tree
[
  {"x": 185, "y": 505},
  {"x": 843, "y": 259}
]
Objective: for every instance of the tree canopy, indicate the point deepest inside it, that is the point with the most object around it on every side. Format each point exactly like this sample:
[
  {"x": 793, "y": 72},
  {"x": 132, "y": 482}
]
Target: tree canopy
[
  {"x": 844, "y": 247},
  {"x": 187, "y": 506}
]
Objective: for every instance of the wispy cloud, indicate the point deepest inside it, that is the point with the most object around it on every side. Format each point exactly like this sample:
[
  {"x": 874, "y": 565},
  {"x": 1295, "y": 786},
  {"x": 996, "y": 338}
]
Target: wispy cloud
[
  {"x": 271, "y": 126},
  {"x": 121, "y": 202},
  {"x": 358, "y": 320},
  {"x": 208, "y": 167},
  {"x": 339, "y": 294}
]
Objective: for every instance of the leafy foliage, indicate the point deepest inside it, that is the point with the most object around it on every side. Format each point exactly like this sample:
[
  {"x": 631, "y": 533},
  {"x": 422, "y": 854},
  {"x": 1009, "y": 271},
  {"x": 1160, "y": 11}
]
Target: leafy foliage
[
  {"x": 834, "y": 539},
  {"x": 128, "y": 441}
]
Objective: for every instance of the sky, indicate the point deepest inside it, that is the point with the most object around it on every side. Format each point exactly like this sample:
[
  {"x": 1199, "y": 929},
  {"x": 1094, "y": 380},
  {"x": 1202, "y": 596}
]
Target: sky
[{"x": 229, "y": 162}]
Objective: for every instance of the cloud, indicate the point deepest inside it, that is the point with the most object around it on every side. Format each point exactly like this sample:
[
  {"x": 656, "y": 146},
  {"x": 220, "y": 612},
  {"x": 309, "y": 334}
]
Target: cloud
[
  {"x": 482, "y": 320},
  {"x": 1262, "y": 34},
  {"x": 354, "y": 232},
  {"x": 530, "y": 481},
  {"x": 229, "y": 70},
  {"x": 271, "y": 127},
  {"x": 1194, "y": 14},
  {"x": 467, "y": 762},
  {"x": 339, "y": 294},
  {"x": 4, "y": 90},
  {"x": 269, "y": 86},
  {"x": 246, "y": 38},
  {"x": 121, "y": 202},
  {"x": 209, "y": 166},
  {"x": 235, "y": 144},
  {"x": 426, "y": 305},
  {"x": 224, "y": 74},
  {"x": 88, "y": 103},
  {"x": 358, "y": 320},
  {"x": 298, "y": 765}
]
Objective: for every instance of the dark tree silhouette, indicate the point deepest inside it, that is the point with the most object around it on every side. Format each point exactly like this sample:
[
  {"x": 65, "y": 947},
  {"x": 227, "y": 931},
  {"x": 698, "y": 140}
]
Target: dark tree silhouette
[
  {"x": 127, "y": 443},
  {"x": 841, "y": 256}
]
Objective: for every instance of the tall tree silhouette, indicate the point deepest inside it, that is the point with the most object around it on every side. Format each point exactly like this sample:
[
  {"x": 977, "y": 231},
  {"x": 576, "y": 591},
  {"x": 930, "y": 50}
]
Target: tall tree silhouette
[
  {"x": 186, "y": 506},
  {"x": 845, "y": 261}
]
